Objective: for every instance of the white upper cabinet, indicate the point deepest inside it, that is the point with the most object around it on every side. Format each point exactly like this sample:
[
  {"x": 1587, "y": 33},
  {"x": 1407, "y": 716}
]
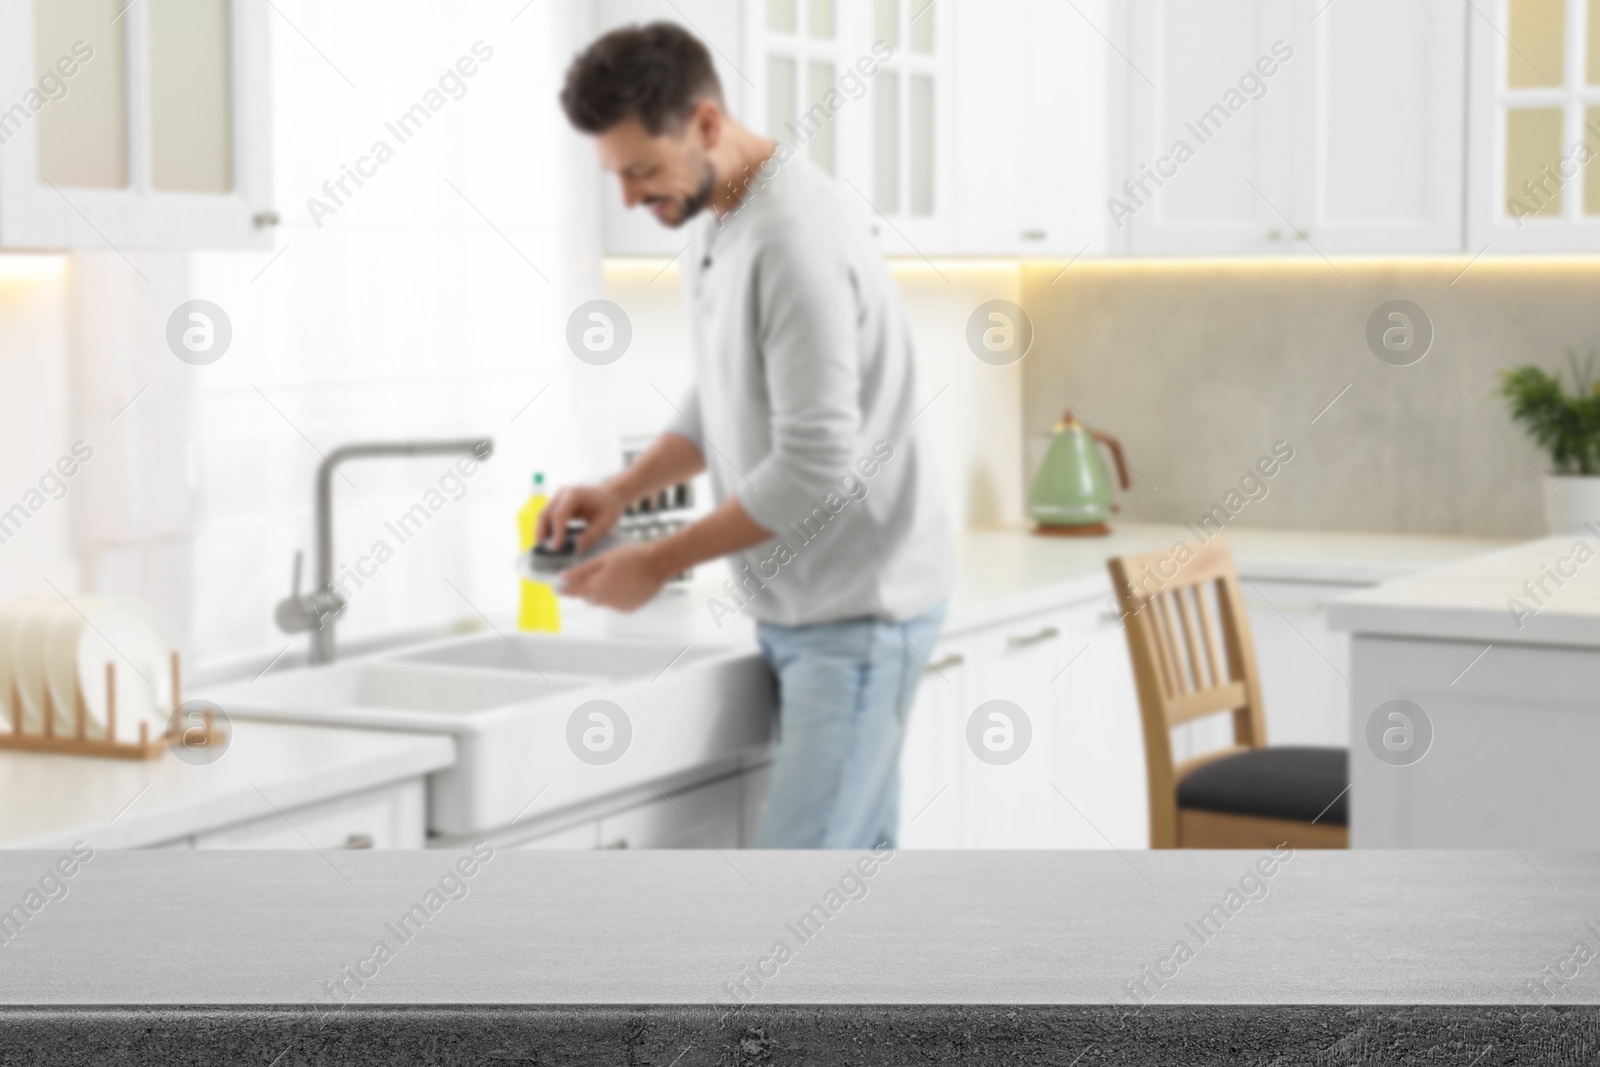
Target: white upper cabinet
[
  {"x": 1379, "y": 119},
  {"x": 1208, "y": 164},
  {"x": 1167, "y": 127},
  {"x": 960, "y": 126},
  {"x": 860, "y": 88},
  {"x": 134, "y": 125},
  {"x": 1031, "y": 98},
  {"x": 863, "y": 89},
  {"x": 908, "y": 149},
  {"x": 1535, "y": 125},
  {"x": 1292, "y": 126}
]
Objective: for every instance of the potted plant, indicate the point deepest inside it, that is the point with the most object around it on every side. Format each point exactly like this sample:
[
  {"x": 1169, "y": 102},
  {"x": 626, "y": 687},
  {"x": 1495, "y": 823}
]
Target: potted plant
[{"x": 1568, "y": 427}]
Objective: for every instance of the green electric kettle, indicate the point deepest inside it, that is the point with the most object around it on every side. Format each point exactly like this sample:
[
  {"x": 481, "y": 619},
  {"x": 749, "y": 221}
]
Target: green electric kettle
[{"x": 1071, "y": 493}]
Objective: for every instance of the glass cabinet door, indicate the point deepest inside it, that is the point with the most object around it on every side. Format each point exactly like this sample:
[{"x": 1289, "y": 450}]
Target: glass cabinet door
[
  {"x": 82, "y": 125},
  {"x": 134, "y": 124},
  {"x": 800, "y": 53},
  {"x": 191, "y": 96},
  {"x": 910, "y": 123},
  {"x": 1538, "y": 79},
  {"x": 859, "y": 89}
]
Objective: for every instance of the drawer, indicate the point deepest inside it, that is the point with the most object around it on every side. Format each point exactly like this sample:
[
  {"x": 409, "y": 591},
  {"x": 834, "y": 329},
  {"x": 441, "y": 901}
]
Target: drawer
[
  {"x": 683, "y": 820},
  {"x": 391, "y": 816}
]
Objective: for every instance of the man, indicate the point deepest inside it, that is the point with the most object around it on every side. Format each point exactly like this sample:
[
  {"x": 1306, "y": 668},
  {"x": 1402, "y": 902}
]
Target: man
[{"x": 803, "y": 413}]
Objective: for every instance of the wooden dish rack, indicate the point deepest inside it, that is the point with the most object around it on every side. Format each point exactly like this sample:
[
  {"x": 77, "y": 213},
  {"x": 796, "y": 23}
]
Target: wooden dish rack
[{"x": 78, "y": 743}]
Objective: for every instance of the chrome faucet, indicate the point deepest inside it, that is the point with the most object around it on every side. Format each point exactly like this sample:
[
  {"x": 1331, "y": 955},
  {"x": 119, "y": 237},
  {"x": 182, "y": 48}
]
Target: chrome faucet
[{"x": 317, "y": 611}]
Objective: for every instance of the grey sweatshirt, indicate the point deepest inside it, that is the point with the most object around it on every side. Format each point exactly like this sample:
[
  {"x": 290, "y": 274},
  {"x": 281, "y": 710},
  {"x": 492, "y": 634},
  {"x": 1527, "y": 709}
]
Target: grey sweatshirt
[{"x": 803, "y": 405}]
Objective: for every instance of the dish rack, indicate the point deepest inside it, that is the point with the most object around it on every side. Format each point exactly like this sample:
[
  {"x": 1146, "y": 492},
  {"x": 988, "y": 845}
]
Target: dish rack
[{"x": 78, "y": 743}]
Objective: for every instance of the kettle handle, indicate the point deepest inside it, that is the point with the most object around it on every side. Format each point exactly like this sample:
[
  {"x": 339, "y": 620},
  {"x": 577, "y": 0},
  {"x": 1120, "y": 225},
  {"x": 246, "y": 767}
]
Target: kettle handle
[{"x": 1116, "y": 454}]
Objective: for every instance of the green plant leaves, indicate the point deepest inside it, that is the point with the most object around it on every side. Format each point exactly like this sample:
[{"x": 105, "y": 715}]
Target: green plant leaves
[{"x": 1565, "y": 425}]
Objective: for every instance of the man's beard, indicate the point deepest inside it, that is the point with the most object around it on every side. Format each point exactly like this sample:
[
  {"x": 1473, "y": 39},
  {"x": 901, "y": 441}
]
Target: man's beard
[{"x": 696, "y": 202}]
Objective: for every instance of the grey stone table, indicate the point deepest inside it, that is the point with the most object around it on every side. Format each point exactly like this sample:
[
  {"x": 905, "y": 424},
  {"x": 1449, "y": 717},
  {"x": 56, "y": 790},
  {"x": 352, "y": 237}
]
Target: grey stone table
[{"x": 686, "y": 958}]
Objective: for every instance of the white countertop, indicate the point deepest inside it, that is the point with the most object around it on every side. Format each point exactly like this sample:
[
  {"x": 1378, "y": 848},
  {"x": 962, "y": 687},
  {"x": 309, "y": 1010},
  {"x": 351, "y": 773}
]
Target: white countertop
[
  {"x": 1006, "y": 572},
  {"x": 1490, "y": 598},
  {"x": 52, "y": 800},
  {"x": 1006, "y": 569}
]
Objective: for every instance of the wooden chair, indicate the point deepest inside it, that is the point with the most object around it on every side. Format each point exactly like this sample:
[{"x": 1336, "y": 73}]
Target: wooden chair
[{"x": 1175, "y": 604}]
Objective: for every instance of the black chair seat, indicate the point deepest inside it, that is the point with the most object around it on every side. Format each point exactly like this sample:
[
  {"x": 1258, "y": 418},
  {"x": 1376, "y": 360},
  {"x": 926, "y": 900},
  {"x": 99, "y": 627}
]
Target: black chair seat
[{"x": 1280, "y": 782}]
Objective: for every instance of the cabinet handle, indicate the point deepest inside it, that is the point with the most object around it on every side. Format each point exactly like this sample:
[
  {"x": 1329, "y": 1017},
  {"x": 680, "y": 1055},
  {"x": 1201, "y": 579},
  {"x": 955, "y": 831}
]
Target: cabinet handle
[
  {"x": 1034, "y": 235},
  {"x": 1110, "y": 616},
  {"x": 1033, "y": 639},
  {"x": 954, "y": 659},
  {"x": 621, "y": 842},
  {"x": 266, "y": 219},
  {"x": 355, "y": 841}
]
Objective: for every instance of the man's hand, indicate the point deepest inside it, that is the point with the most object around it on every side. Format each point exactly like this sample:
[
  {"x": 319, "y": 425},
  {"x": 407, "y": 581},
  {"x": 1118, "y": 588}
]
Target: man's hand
[
  {"x": 598, "y": 505},
  {"x": 623, "y": 578}
]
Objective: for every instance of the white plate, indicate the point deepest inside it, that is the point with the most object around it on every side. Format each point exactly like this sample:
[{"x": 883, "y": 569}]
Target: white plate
[
  {"x": 127, "y": 635},
  {"x": 29, "y": 651},
  {"x": 10, "y": 620},
  {"x": 61, "y": 675}
]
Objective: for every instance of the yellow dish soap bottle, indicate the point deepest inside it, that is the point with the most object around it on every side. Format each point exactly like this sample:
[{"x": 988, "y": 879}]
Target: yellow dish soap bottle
[{"x": 540, "y": 610}]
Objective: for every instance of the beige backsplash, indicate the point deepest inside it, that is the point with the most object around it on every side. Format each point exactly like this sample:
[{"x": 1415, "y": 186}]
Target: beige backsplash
[{"x": 1201, "y": 366}]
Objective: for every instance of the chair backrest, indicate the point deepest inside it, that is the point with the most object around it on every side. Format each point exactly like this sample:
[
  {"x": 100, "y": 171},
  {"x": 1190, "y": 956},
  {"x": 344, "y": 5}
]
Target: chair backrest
[{"x": 1189, "y": 639}]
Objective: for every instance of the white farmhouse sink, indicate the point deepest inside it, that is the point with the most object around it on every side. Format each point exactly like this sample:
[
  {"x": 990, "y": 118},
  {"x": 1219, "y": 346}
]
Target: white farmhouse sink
[
  {"x": 542, "y": 655},
  {"x": 509, "y": 701}
]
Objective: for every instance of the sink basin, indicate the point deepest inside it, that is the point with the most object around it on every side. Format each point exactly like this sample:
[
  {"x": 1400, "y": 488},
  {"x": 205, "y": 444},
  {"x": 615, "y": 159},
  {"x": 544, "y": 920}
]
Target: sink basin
[
  {"x": 512, "y": 703},
  {"x": 542, "y": 655},
  {"x": 397, "y": 694}
]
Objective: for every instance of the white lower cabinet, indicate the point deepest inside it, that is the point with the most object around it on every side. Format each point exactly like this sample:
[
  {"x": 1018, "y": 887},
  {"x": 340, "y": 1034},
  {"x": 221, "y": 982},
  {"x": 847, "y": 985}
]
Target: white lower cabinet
[
  {"x": 706, "y": 816},
  {"x": 933, "y": 761},
  {"x": 1509, "y": 762},
  {"x": 392, "y": 816},
  {"x": 1081, "y": 782},
  {"x": 1015, "y": 801},
  {"x": 720, "y": 814},
  {"x": 1304, "y": 665},
  {"x": 1101, "y": 753}
]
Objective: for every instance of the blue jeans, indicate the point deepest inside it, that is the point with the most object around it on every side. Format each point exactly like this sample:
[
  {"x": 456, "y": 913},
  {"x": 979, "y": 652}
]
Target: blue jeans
[{"x": 844, "y": 693}]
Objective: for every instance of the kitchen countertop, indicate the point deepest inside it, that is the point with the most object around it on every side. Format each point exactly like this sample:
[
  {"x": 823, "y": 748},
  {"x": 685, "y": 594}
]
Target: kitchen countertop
[
  {"x": 1004, "y": 568},
  {"x": 1005, "y": 572},
  {"x": 1491, "y": 598},
  {"x": 52, "y": 800},
  {"x": 1332, "y": 957}
]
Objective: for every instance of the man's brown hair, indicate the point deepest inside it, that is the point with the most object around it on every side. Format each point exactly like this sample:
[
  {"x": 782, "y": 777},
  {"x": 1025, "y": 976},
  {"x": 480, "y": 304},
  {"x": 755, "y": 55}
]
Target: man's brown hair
[{"x": 654, "y": 73}]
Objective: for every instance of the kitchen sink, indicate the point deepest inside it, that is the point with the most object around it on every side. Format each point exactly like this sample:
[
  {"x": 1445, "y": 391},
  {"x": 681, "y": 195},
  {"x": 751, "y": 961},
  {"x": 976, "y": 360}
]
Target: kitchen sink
[
  {"x": 521, "y": 709},
  {"x": 399, "y": 694},
  {"x": 542, "y": 655}
]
